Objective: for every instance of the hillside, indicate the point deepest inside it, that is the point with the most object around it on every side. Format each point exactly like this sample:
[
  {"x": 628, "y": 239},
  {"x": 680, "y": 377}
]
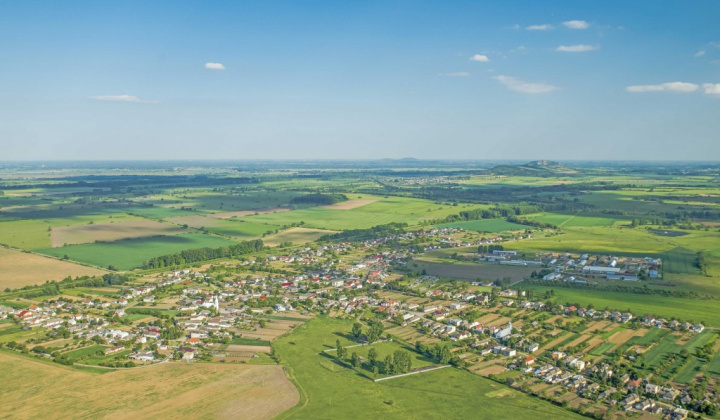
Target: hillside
[{"x": 534, "y": 168}]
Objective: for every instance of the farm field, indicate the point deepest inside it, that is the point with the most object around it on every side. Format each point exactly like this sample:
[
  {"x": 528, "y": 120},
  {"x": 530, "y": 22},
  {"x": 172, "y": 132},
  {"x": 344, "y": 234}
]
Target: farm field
[
  {"x": 108, "y": 232},
  {"x": 236, "y": 228},
  {"x": 296, "y": 235},
  {"x": 487, "y": 225},
  {"x": 130, "y": 253},
  {"x": 705, "y": 311},
  {"x": 446, "y": 392},
  {"x": 169, "y": 390},
  {"x": 21, "y": 269}
]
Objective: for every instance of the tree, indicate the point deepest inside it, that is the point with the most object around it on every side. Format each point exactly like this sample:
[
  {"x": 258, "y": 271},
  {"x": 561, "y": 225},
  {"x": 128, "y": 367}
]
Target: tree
[
  {"x": 388, "y": 365},
  {"x": 340, "y": 349},
  {"x": 402, "y": 362},
  {"x": 357, "y": 330},
  {"x": 372, "y": 356},
  {"x": 375, "y": 331},
  {"x": 355, "y": 360}
]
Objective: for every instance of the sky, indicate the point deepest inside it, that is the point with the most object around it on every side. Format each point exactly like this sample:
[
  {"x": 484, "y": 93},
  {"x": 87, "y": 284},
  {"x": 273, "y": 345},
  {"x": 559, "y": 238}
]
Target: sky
[{"x": 593, "y": 80}]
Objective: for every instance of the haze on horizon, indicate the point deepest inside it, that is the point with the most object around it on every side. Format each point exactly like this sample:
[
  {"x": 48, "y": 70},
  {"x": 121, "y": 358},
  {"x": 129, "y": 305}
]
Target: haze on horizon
[{"x": 520, "y": 80}]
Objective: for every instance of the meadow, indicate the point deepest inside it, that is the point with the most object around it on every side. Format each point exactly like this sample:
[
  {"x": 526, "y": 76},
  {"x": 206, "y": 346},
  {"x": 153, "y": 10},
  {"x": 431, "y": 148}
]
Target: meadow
[
  {"x": 330, "y": 390},
  {"x": 168, "y": 390},
  {"x": 239, "y": 228},
  {"x": 21, "y": 269},
  {"x": 130, "y": 253},
  {"x": 296, "y": 235},
  {"x": 685, "y": 309}
]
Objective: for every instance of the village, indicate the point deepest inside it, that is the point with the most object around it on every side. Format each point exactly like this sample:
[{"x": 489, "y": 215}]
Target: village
[{"x": 590, "y": 359}]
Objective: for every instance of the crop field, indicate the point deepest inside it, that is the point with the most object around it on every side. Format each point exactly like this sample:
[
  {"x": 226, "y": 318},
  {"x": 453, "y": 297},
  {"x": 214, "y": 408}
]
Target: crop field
[
  {"x": 705, "y": 311},
  {"x": 680, "y": 260},
  {"x": 236, "y": 228},
  {"x": 350, "y": 204},
  {"x": 598, "y": 240},
  {"x": 473, "y": 272},
  {"x": 168, "y": 390},
  {"x": 487, "y": 225},
  {"x": 602, "y": 349},
  {"x": 694, "y": 367},
  {"x": 107, "y": 232},
  {"x": 296, "y": 235},
  {"x": 130, "y": 253},
  {"x": 21, "y": 269},
  {"x": 449, "y": 392},
  {"x": 243, "y": 213}
]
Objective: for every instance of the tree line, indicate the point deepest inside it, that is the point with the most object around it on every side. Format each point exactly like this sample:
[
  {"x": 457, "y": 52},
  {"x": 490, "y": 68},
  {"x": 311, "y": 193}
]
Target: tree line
[{"x": 204, "y": 254}]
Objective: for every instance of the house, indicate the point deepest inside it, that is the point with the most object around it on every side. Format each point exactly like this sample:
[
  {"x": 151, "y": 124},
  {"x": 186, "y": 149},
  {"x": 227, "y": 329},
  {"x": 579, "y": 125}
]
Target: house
[
  {"x": 529, "y": 360},
  {"x": 115, "y": 349},
  {"x": 532, "y": 348},
  {"x": 509, "y": 352},
  {"x": 193, "y": 341},
  {"x": 188, "y": 355},
  {"x": 652, "y": 389}
]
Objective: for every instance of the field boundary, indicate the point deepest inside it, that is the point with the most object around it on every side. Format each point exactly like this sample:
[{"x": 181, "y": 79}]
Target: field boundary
[{"x": 412, "y": 373}]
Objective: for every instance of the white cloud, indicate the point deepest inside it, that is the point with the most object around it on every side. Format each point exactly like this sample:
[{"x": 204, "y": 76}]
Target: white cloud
[
  {"x": 677, "y": 87},
  {"x": 543, "y": 27},
  {"x": 214, "y": 66},
  {"x": 122, "y": 98},
  {"x": 457, "y": 74},
  {"x": 577, "y": 48},
  {"x": 518, "y": 85},
  {"x": 711, "y": 89},
  {"x": 700, "y": 53},
  {"x": 480, "y": 57},
  {"x": 576, "y": 24}
]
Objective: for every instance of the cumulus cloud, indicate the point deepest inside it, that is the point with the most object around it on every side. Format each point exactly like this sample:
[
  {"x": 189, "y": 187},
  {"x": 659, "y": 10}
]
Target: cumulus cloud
[
  {"x": 214, "y": 66},
  {"x": 543, "y": 27},
  {"x": 521, "y": 86},
  {"x": 577, "y": 48},
  {"x": 576, "y": 24},
  {"x": 677, "y": 87},
  {"x": 711, "y": 89},
  {"x": 700, "y": 53},
  {"x": 480, "y": 57},
  {"x": 457, "y": 74},
  {"x": 122, "y": 98}
]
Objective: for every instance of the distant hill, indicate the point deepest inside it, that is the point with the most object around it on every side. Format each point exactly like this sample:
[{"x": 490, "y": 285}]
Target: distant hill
[{"x": 534, "y": 168}]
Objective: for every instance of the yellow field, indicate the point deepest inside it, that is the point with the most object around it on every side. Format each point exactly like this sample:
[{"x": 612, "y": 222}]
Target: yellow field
[
  {"x": 19, "y": 269},
  {"x": 35, "y": 389},
  {"x": 85, "y": 234},
  {"x": 296, "y": 235}
]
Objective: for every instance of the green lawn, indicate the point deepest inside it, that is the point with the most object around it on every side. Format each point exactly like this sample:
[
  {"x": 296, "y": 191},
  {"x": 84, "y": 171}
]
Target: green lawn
[
  {"x": 602, "y": 349},
  {"x": 690, "y": 370},
  {"x": 697, "y": 310},
  {"x": 130, "y": 253},
  {"x": 85, "y": 351},
  {"x": 329, "y": 390}
]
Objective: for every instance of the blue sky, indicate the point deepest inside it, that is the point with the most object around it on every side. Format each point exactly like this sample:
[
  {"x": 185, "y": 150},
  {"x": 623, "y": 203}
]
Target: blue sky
[{"x": 370, "y": 79}]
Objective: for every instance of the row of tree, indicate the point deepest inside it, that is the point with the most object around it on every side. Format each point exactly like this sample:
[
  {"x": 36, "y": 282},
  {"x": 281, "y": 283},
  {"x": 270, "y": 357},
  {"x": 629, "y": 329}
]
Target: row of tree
[{"x": 204, "y": 254}]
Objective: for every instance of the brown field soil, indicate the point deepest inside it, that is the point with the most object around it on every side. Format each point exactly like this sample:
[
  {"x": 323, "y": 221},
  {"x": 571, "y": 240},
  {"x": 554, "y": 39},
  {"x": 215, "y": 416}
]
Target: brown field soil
[
  {"x": 578, "y": 340},
  {"x": 622, "y": 336},
  {"x": 553, "y": 343},
  {"x": 492, "y": 369},
  {"x": 486, "y": 319},
  {"x": 35, "y": 389},
  {"x": 107, "y": 232},
  {"x": 231, "y": 214},
  {"x": 296, "y": 235},
  {"x": 273, "y": 330},
  {"x": 21, "y": 269},
  {"x": 599, "y": 325},
  {"x": 349, "y": 205},
  {"x": 474, "y": 271},
  {"x": 594, "y": 342},
  {"x": 244, "y": 348}
]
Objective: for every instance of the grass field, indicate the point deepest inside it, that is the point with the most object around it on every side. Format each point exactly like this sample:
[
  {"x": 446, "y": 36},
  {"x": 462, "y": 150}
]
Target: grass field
[
  {"x": 240, "y": 228},
  {"x": 19, "y": 269},
  {"x": 334, "y": 391},
  {"x": 690, "y": 370},
  {"x": 296, "y": 235},
  {"x": 705, "y": 311},
  {"x": 33, "y": 389},
  {"x": 107, "y": 232},
  {"x": 487, "y": 225},
  {"x": 130, "y": 253},
  {"x": 602, "y": 349}
]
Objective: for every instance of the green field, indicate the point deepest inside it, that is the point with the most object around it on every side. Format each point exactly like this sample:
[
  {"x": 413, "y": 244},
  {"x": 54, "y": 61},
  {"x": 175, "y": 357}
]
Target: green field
[
  {"x": 85, "y": 351},
  {"x": 487, "y": 225},
  {"x": 130, "y": 253},
  {"x": 685, "y": 309},
  {"x": 329, "y": 390},
  {"x": 690, "y": 370},
  {"x": 602, "y": 349}
]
